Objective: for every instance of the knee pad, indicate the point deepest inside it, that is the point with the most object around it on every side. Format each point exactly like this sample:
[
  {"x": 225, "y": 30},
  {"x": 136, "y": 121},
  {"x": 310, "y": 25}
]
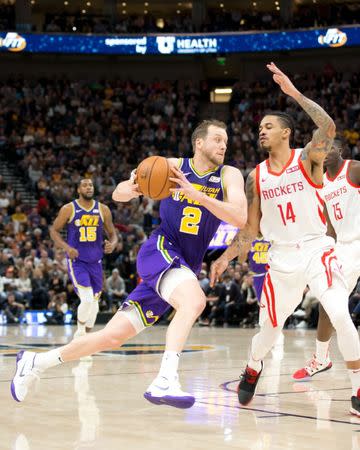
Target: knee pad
[
  {"x": 92, "y": 314},
  {"x": 86, "y": 300},
  {"x": 171, "y": 280}
]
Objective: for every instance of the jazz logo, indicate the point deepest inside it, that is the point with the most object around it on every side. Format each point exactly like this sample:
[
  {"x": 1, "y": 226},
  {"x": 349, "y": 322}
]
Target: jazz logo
[
  {"x": 333, "y": 38},
  {"x": 13, "y": 42}
]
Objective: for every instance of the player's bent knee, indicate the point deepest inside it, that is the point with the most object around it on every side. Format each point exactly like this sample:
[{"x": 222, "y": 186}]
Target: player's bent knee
[{"x": 86, "y": 295}]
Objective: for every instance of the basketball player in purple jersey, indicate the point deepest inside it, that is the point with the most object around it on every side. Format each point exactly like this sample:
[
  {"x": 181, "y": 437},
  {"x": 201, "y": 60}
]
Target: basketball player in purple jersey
[
  {"x": 168, "y": 264},
  {"x": 85, "y": 219},
  {"x": 258, "y": 261}
]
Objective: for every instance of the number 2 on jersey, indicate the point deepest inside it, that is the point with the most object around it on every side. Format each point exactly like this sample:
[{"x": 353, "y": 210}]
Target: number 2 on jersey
[
  {"x": 289, "y": 213},
  {"x": 190, "y": 220}
]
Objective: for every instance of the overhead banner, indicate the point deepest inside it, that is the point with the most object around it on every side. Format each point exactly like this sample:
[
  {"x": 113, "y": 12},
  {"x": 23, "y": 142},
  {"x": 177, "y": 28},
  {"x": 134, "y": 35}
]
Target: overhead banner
[{"x": 191, "y": 44}]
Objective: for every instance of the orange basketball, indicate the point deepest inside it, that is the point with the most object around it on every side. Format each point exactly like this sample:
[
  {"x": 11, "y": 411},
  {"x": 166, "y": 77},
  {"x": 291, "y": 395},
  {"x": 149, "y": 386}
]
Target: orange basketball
[{"x": 152, "y": 176}]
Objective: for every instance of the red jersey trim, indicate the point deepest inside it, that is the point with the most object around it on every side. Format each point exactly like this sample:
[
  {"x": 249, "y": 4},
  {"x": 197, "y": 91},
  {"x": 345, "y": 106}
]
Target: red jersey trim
[
  {"x": 277, "y": 174},
  {"x": 338, "y": 172},
  {"x": 357, "y": 186},
  {"x": 308, "y": 179},
  {"x": 257, "y": 179}
]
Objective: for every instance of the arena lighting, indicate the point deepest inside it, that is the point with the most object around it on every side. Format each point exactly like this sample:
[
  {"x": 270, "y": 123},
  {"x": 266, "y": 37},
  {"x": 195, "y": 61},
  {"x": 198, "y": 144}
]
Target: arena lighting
[
  {"x": 146, "y": 4},
  {"x": 145, "y": 11},
  {"x": 223, "y": 90},
  {"x": 278, "y": 8},
  {"x": 160, "y": 23},
  {"x": 178, "y": 11},
  {"x": 88, "y": 4},
  {"x": 83, "y": 11},
  {"x": 66, "y": 3},
  {"x": 221, "y": 5}
]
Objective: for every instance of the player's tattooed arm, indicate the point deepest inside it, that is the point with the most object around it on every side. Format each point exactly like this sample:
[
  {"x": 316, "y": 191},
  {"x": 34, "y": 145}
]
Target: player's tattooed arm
[
  {"x": 323, "y": 137},
  {"x": 241, "y": 243}
]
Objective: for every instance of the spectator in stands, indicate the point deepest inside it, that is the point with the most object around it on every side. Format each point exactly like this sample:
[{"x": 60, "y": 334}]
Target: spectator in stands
[
  {"x": 116, "y": 290},
  {"x": 13, "y": 309}
]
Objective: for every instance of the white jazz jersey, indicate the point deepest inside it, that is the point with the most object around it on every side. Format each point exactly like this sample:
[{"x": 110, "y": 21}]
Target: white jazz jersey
[
  {"x": 342, "y": 198},
  {"x": 292, "y": 205}
]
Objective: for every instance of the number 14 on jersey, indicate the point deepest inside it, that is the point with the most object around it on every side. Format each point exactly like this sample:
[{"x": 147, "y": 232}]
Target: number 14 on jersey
[{"x": 287, "y": 213}]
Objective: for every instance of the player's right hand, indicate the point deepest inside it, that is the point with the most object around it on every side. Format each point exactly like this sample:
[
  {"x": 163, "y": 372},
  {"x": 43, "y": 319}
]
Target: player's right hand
[
  {"x": 217, "y": 268},
  {"x": 282, "y": 80},
  {"x": 73, "y": 253}
]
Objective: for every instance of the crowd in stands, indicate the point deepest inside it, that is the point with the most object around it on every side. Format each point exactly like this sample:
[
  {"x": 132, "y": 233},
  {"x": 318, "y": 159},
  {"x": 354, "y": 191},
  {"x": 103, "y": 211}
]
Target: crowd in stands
[
  {"x": 7, "y": 16},
  {"x": 217, "y": 20},
  {"x": 55, "y": 131}
]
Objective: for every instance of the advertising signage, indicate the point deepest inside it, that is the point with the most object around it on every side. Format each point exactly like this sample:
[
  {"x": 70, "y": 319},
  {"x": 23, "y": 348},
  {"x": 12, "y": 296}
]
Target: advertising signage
[{"x": 179, "y": 44}]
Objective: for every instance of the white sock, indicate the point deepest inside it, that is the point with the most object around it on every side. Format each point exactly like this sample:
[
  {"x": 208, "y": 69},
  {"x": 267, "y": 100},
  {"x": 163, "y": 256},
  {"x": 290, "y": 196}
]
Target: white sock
[
  {"x": 322, "y": 349},
  {"x": 254, "y": 364},
  {"x": 169, "y": 364},
  {"x": 48, "y": 359},
  {"x": 354, "y": 375}
]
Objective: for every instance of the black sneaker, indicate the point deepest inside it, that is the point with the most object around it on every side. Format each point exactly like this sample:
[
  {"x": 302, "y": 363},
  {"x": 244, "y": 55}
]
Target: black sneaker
[
  {"x": 355, "y": 404},
  {"x": 247, "y": 385}
]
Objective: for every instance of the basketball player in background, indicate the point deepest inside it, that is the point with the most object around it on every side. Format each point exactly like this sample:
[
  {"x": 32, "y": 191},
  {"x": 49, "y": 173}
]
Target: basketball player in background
[
  {"x": 258, "y": 261},
  {"x": 341, "y": 193},
  {"x": 168, "y": 263},
  {"x": 285, "y": 203},
  {"x": 85, "y": 220}
]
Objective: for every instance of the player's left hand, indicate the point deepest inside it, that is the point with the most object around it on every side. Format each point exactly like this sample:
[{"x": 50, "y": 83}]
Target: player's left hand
[
  {"x": 108, "y": 247},
  {"x": 184, "y": 185},
  {"x": 282, "y": 80}
]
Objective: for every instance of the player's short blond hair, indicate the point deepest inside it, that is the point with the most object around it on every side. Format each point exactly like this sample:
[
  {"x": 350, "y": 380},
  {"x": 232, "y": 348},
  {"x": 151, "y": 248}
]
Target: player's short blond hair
[{"x": 201, "y": 130}]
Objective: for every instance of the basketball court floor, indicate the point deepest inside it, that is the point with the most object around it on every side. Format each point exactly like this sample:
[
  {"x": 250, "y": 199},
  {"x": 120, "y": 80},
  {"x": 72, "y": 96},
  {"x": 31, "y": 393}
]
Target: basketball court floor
[{"x": 100, "y": 405}]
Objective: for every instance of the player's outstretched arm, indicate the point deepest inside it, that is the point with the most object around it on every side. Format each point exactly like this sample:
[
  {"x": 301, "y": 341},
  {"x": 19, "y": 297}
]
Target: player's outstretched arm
[
  {"x": 109, "y": 245},
  {"x": 241, "y": 243},
  {"x": 232, "y": 210},
  {"x": 126, "y": 190},
  {"x": 321, "y": 142},
  {"x": 61, "y": 220}
]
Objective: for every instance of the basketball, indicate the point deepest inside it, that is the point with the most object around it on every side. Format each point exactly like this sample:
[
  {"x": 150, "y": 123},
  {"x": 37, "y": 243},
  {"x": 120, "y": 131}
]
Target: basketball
[{"x": 152, "y": 176}]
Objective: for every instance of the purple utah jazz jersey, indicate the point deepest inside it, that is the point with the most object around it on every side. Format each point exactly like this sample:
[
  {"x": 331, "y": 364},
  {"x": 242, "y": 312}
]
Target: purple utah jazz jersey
[
  {"x": 85, "y": 231},
  {"x": 188, "y": 225},
  {"x": 258, "y": 256}
]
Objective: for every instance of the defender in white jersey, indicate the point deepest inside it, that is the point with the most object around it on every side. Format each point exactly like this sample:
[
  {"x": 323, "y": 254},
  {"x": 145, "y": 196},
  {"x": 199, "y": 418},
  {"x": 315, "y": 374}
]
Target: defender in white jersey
[
  {"x": 341, "y": 193},
  {"x": 285, "y": 203}
]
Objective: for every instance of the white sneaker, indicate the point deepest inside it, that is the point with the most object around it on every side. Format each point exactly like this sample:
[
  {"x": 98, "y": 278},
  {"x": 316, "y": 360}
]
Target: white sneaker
[
  {"x": 165, "y": 392},
  {"x": 25, "y": 375},
  {"x": 311, "y": 368},
  {"x": 78, "y": 334}
]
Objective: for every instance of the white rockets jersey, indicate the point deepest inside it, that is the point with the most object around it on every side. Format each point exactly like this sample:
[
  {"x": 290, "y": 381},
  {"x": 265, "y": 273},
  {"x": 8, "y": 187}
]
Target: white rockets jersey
[
  {"x": 291, "y": 204},
  {"x": 342, "y": 198}
]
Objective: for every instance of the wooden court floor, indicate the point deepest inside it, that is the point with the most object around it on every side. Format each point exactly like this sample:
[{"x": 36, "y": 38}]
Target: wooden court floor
[{"x": 99, "y": 404}]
